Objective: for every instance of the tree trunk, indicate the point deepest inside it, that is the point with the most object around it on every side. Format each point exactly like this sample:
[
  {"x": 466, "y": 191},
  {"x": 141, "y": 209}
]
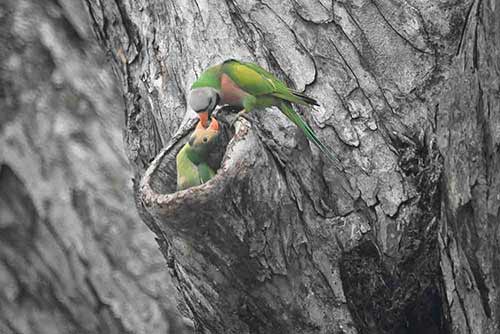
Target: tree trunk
[
  {"x": 74, "y": 255},
  {"x": 401, "y": 236}
]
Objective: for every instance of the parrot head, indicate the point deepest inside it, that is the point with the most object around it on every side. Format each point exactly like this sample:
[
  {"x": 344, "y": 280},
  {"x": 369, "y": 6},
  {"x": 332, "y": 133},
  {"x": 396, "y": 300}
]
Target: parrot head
[
  {"x": 203, "y": 101},
  {"x": 203, "y": 140}
]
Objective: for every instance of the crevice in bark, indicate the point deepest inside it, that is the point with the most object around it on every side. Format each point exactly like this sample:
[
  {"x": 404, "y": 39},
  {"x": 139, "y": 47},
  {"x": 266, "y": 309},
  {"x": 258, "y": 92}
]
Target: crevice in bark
[
  {"x": 466, "y": 228},
  {"x": 404, "y": 298},
  {"x": 396, "y": 31},
  {"x": 21, "y": 234},
  {"x": 242, "y": 27},
  {"x": 464, "y": 27}
]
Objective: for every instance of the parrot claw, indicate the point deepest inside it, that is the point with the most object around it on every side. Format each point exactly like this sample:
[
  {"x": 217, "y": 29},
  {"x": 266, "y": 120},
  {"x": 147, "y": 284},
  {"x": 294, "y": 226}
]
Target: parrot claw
[{"x": 243, "y": 114}]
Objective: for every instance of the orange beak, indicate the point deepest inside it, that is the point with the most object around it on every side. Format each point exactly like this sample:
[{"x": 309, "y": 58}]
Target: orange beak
[
  {"x": 199, "y": 126},
  {"x": 203, "y": 118},
  {"x": 214, "y": 124}
]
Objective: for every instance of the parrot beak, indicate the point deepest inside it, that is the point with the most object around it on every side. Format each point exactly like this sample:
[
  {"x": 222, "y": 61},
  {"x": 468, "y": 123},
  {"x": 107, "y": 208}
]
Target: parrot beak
[
  {"x": 199, "y": 126},
  {"x": 203, "y": 118},
  {"x": 214, "y": 124}
]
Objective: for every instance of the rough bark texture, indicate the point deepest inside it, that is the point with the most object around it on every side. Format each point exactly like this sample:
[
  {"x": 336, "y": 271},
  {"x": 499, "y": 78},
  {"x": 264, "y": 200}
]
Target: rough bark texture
[
  {"x": 402, "y": 238},
  {"x": 74, "y": 255}
]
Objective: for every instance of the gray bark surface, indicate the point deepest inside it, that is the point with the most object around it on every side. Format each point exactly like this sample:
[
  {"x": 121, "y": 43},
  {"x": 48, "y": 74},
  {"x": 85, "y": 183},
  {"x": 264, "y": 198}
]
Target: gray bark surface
[
  {"x": 401, "y": 238},
  {"x": 74, "y": 255}
]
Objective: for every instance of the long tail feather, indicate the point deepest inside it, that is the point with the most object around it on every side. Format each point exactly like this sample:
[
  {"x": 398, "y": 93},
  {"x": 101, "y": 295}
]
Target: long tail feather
[
  {"x": 287, "y": 109},
  {"x": 305, "y": 98}
]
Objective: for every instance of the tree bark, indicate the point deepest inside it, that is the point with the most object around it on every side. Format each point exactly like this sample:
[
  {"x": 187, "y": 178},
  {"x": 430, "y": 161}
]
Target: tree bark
[
  {"x": 74, "y": 255},
  {"x": 400, "y": 237}
]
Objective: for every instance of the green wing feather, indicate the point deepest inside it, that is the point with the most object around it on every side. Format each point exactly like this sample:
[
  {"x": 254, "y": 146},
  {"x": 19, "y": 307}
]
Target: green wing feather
[
  {"x": 287, "y": 109},
  {"x": 256, "y": 81},
  {"x": 187, "y": 173},
  {"x": 206, "y": 173},
  {"x": 248, "y": 79}
]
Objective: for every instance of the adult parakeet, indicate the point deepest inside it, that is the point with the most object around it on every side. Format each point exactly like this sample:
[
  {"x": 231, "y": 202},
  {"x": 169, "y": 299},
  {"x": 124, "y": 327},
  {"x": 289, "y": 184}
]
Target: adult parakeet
[
  {"x": 192, "y": 166},
  {"x": 247, "y": 85}
]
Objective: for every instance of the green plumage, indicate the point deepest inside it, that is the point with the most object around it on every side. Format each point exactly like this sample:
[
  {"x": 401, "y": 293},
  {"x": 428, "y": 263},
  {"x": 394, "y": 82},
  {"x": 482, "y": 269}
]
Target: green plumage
[
  {"x": 192, "y": 160},
  {"x": 209, "y": 78},
  {"x": 254, "y": 87},
  {"x": 256, "y": 81},
  {"x": 190, "y": 174}
]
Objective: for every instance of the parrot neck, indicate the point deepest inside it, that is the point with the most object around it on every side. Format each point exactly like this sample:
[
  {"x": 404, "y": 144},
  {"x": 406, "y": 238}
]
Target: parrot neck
[
  {"x": 193, "y": 156},
  {"x": 209, "y": 78}
]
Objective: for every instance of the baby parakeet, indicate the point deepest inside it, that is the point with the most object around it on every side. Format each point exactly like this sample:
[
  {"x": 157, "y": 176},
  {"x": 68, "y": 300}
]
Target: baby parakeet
[{"x": 192, "y": 166}]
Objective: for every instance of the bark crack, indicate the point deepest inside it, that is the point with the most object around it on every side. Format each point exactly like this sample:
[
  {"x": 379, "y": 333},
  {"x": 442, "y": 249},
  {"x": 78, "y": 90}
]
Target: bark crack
[{"x": 397, "y": 32}]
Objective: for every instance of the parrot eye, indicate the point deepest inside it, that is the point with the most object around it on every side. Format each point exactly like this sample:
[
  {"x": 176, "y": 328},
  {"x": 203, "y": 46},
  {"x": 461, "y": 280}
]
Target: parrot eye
[{"x": 205, "y": 139}]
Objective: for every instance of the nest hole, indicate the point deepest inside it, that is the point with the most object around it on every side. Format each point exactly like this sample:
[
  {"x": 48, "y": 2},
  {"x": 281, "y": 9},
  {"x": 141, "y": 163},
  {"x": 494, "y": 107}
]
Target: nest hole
[
  {"x": 163, "y": 180},
  {"x": 389, "y": 303}
]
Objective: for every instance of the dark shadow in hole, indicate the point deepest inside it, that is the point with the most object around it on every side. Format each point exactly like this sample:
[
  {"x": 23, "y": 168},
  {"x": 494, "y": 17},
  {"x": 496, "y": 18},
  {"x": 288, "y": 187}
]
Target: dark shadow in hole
[{"x": 390, "y": 303}]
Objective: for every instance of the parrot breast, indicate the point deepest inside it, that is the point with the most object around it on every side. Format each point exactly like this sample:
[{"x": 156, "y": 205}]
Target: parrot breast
[{"x": 230, "y": 93}]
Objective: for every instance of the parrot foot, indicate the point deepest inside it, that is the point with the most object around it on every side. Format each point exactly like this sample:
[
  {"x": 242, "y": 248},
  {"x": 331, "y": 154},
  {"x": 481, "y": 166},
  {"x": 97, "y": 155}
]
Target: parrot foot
[{"x": 243, "y": 114}]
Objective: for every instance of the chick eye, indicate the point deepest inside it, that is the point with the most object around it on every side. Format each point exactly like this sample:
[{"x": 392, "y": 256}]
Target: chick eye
[{"x": 205, "y": 139}]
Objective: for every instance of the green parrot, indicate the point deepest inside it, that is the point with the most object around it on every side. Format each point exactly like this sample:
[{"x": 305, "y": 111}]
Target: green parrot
[
  {"x": 192, "y": 166},
  {"x": 249, "y": 86}
]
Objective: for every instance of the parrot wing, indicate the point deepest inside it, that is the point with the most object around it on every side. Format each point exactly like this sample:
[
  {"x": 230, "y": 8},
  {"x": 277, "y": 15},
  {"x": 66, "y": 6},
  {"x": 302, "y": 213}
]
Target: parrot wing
[
  {"x": 257, "y": 81},
  {"x": 187, "y": 173},
  {"x": 205, "y": 172},
  {"x": 248, "y": 79}
]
